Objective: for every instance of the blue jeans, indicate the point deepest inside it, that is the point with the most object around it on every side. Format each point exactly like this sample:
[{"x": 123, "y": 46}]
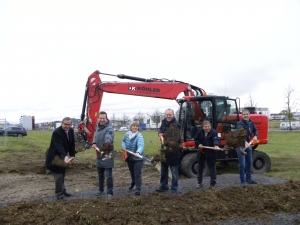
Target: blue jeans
[
  {"x": 109, "y": 180},
  {"x": 135, "y": 168},
  {"x": 164, "y": 172},
  {"x": 245, "y": 165}
]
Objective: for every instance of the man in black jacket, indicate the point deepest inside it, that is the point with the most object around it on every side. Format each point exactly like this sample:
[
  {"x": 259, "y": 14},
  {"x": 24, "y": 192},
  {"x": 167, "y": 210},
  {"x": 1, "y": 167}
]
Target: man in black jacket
[
  {"x": 206, "y": 136},
  {"x": 60, "y": 154},
  {"x": 170, "y": 129}
]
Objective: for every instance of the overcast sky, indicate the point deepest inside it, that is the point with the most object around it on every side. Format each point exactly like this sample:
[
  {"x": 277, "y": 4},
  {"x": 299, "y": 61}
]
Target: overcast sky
[{"x": 234, "y": 48}]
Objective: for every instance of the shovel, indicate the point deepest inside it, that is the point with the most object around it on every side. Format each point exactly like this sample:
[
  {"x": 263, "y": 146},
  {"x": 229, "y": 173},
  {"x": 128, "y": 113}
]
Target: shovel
[
  {"x": 163, "y": 147},
  {"x": 107, "y": 157},
  {"x": 243, "y": 152},
  {"x": 220, "y": 149},
  {"x": 146, "y": 160}
]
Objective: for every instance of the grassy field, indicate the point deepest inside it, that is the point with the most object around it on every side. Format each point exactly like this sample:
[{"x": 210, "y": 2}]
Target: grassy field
[{"x": 283, "y": 149}]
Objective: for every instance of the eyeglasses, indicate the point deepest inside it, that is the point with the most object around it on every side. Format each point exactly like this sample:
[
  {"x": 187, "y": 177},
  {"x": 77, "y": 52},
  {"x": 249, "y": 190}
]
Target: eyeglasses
[
  {"x": 246, "y": 114},
  {"x": 67, "y": 124}
]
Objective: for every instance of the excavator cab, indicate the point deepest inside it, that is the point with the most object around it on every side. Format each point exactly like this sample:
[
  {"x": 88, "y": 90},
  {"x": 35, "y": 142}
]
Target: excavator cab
[
  {"x": 221, "y": 111},
  {"x": 223, "y": 114}
]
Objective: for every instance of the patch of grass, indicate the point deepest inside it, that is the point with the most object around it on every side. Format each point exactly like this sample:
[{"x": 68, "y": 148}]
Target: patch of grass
[
  {"x": 35, "y": 140},
  {"x": 274, "y": 125},
  {"x": 283, "y": 149}
]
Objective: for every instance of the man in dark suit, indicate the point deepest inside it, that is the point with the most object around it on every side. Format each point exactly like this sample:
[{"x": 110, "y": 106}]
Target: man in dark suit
[
  {"x": 60, "y": 154},
  {"x": 207, "y": 136}
]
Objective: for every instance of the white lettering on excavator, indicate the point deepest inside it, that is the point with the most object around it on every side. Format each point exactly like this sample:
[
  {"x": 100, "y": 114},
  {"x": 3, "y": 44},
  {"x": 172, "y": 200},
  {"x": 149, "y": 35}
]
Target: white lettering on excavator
[
  {"x": 148, "y": 89},
  {"x": 131, "y": 88},
  {"x": 143, "y": 89}
]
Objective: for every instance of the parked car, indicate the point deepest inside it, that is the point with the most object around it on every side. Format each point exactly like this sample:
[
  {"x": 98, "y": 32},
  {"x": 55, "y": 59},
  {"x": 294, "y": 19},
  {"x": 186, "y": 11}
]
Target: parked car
[
  {"x": 14, "y": 131},
  {"x": 286, "y": 125},
  {"x": 123, "y": 129},
  {"x": 295, "y": 125},
  {"x": 283, "y": 126}
]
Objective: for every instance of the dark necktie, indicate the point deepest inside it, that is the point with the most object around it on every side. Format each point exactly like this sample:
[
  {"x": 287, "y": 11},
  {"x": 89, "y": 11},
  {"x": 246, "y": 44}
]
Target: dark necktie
[{"x": 67, "y": 135}]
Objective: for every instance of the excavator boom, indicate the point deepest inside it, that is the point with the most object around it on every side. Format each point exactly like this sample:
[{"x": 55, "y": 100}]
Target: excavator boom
[{"x": 155, "y": 88}]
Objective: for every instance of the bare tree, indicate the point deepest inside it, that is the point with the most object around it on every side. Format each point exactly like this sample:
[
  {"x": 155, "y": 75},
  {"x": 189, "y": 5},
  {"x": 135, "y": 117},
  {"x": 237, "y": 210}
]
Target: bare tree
[
  {"x": 139, "y": 117},
  {"x": 251, "y": 102},
  {"x": 156, "y": 117},
  {"x": 113, "y": 119},
  {"x": 290, "y": 103},
  {"x": 125, "y": 120}
]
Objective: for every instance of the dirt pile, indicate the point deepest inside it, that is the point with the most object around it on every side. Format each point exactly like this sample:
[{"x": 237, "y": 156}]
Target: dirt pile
[{"x": 26, "y": 180}]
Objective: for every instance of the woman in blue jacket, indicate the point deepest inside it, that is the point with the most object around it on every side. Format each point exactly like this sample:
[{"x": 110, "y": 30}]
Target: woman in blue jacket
[{"x": 134, "y": 141}]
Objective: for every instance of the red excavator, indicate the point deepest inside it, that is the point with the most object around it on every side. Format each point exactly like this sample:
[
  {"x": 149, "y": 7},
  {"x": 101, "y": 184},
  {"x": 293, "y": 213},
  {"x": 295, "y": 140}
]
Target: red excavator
[{"x": 194, "y": 107}]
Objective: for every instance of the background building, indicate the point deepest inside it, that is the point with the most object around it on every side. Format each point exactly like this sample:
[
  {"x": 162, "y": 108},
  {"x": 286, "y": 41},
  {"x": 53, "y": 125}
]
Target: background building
[
  {"x": 27, "y": 122},
  {"x": 258, "y": 110}
]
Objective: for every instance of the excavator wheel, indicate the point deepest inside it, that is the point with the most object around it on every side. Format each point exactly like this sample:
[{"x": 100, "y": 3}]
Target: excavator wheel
[
  {"x": 261, "y": 162},
  {"x": 189, "y": 166}
]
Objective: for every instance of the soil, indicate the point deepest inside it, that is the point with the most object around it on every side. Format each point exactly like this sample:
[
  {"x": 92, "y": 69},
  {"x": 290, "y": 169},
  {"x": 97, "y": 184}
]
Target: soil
[{"x": 27, "y": 197}]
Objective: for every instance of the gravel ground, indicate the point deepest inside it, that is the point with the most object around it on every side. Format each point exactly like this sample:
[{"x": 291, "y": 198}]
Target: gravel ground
[{"x": 186, "y": 185}]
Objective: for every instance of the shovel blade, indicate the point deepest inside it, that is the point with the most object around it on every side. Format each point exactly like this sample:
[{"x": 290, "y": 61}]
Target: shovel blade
[{"x": 147, "y": 163}]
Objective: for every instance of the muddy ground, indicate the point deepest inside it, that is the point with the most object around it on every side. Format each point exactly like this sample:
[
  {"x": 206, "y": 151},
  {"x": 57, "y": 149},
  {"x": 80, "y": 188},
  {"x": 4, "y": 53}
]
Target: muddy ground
[{"x": 27, "y": 197}]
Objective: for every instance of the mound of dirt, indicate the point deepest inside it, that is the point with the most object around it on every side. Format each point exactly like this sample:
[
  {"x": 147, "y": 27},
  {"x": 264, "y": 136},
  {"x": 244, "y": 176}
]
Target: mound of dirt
[{"x": 27, "y": 197}]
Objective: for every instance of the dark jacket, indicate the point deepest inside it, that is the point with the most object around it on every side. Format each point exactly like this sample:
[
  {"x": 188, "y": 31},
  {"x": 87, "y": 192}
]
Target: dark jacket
[
  {"x": 173, "y": 157},
  {"x": 104, "y": 134},
  {"x": 249, "y": 127},
  {"x": 61, "y": 146},
  {"x": 210, "y": 140}
]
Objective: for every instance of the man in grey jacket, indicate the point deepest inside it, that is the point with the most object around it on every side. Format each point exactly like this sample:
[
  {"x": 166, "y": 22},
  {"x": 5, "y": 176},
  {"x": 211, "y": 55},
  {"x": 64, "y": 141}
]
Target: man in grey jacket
[{"x": 105, "y": 160}]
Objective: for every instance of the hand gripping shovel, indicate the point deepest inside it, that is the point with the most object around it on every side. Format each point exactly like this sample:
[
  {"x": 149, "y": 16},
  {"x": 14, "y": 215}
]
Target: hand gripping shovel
[
  {"x": 243, "y": 152},
  {"x": 107, "y": 157},
  {"x": 146, "y": 160}
]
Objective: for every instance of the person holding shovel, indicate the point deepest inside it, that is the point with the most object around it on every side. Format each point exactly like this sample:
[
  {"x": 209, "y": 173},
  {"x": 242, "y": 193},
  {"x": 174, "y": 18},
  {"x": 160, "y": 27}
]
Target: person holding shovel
[
  {"x": 169, "y": 132},
  {"x": 60, "y": 155},
  {"x": 103, "y": 143},
  {"x": 134, "y": 142},
  {"x": 245, "y": 155},
  {"x": 206, "y": 136}
]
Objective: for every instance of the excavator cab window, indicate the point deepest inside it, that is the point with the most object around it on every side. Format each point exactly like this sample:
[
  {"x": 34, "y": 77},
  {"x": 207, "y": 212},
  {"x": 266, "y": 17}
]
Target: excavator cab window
[
  {"x": 226, "y": 117},
  {"x": 220, "y": 111},
  {"x": 207, "y": 107},
  {"x": 187, "y": 121}
]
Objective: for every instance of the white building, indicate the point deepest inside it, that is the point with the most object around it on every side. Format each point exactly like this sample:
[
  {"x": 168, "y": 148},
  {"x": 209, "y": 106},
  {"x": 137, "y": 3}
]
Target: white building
[
  {"x": 27, "y": 122},
  {"x": 260, "y": 110}
]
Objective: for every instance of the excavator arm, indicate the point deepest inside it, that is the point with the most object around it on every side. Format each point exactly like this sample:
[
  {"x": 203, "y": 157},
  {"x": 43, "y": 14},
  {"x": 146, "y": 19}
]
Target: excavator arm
[{"x": 155, "y": 88}]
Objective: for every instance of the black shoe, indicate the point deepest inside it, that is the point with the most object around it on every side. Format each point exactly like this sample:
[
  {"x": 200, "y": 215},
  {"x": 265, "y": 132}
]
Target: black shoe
[
  {"x": 251, "y": 182},
  {"x": 67, "y": 194},
  {"x": 137, "y": 193},
  {"x": 60, "y": 198},
  {"x": 99, "y": 193},
  {"x": 160, "y": 189},
  {"x": 132, "y": 185}
]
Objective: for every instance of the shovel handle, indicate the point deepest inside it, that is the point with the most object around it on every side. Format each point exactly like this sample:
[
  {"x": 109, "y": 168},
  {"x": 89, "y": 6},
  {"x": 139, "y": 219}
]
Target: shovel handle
[
  {"x": 221, "y": 149},
  {"x": 249, "y": 144},
  {"x": 139, "y": 156}
]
